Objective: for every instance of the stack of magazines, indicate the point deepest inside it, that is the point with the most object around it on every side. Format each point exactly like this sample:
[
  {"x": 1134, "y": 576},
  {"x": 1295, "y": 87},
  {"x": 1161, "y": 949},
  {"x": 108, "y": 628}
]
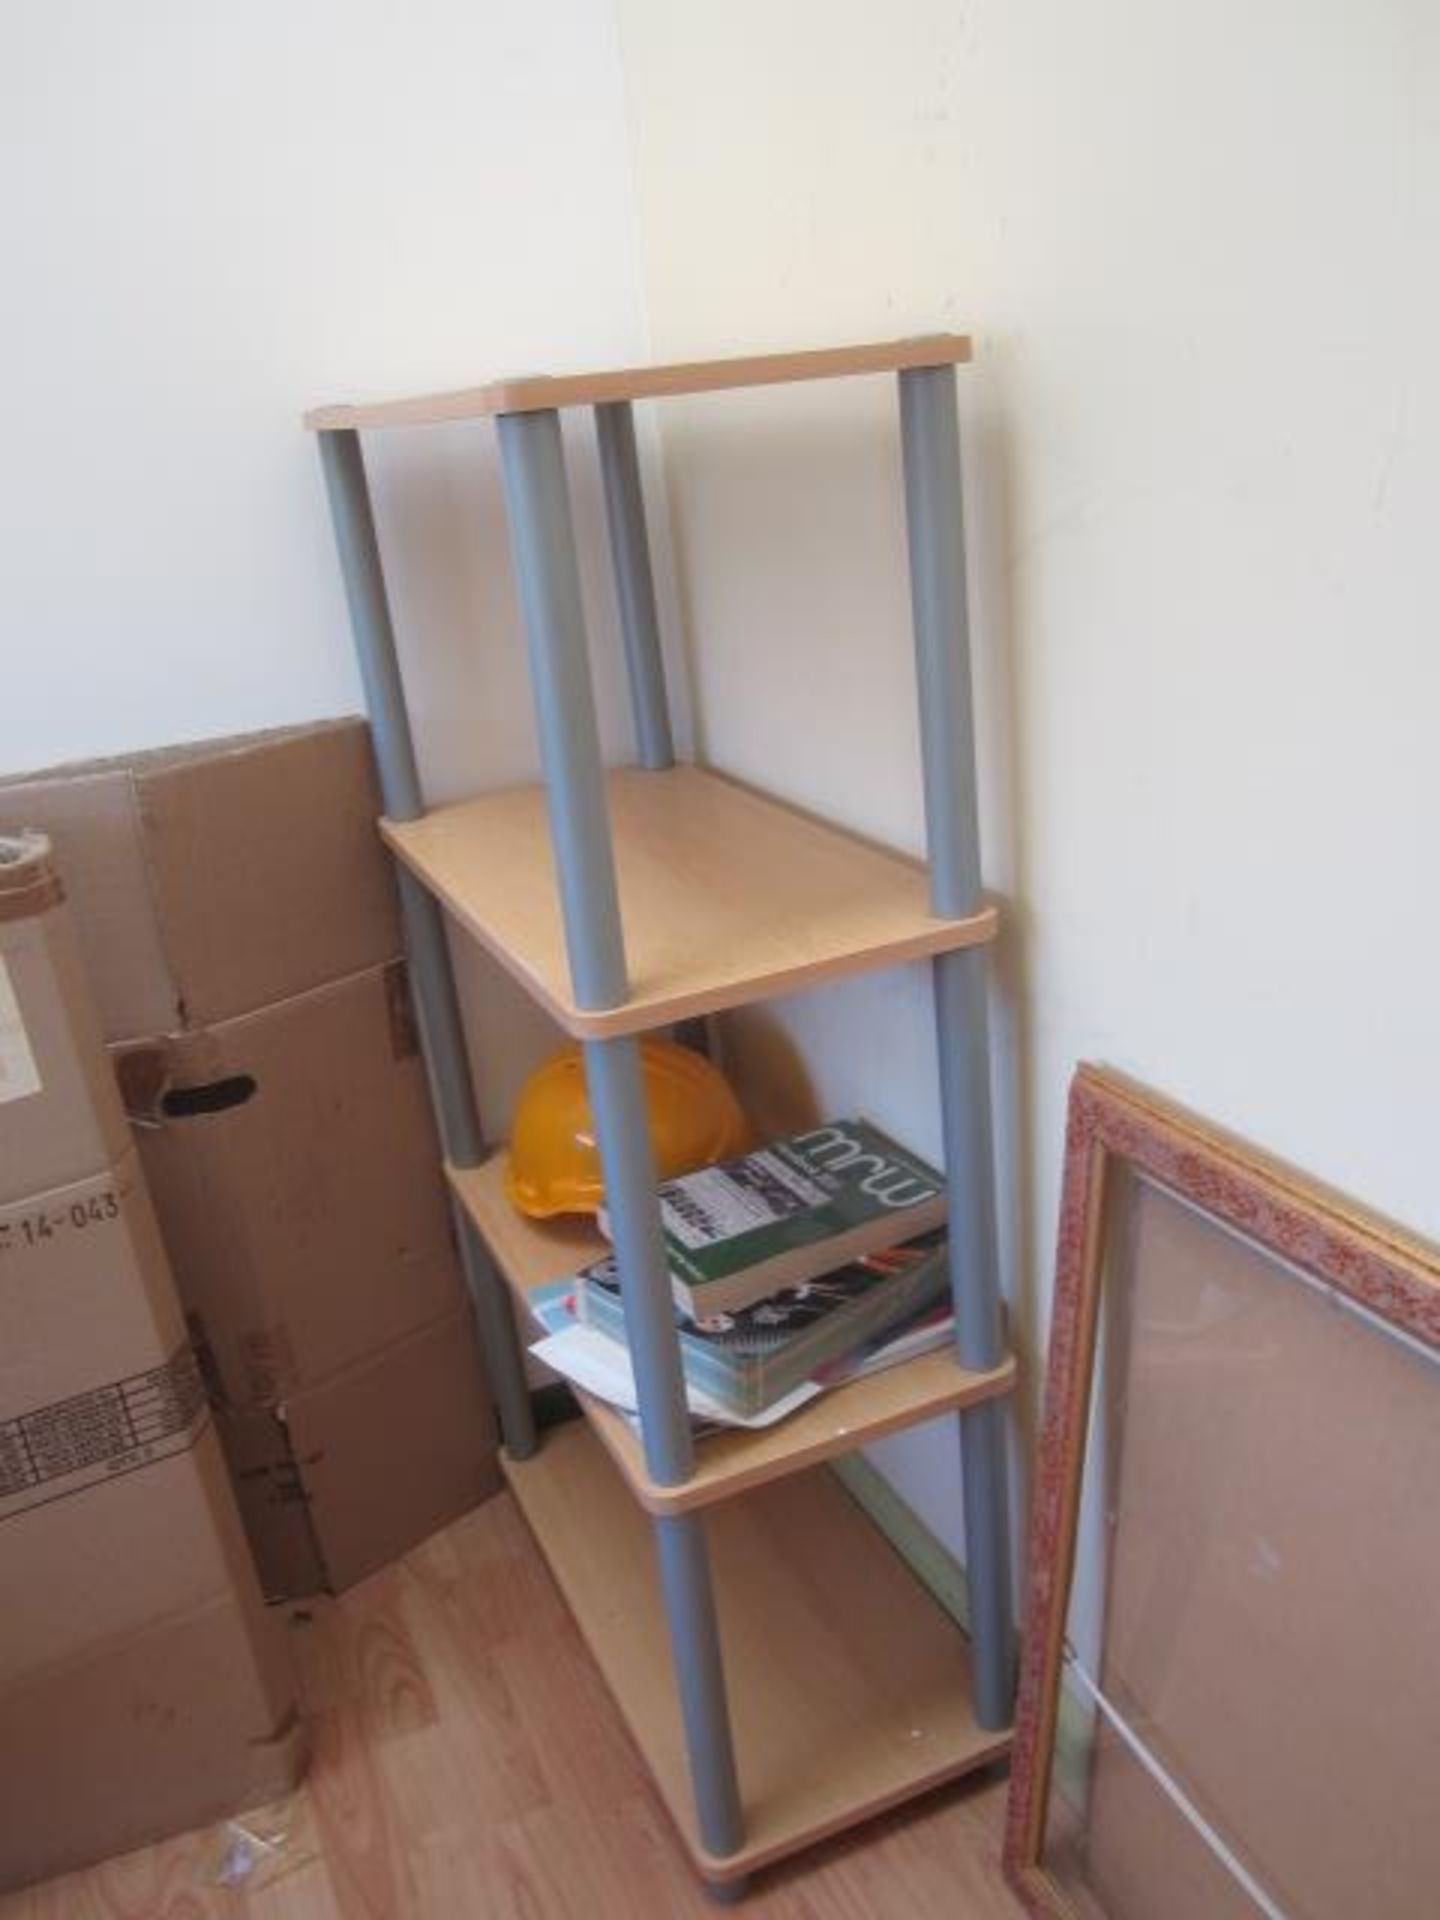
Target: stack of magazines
[{"x": 794, "y": 1268}]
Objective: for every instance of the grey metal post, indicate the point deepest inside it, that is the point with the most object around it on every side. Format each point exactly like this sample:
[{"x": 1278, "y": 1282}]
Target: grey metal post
[
  {"x": 499, "y": 1344},
  {"x": 986, "y": 1490},
  {"x": 930, "y": 438},
  {"x": 617, "y": 1100},
  {"x": 962, "y": 1048},
  {"x": 964, "y": 1058},
  {"x": 544, "y": 545},
  {"x": 447, "y": 1065},
  {"x": 543, "y": 542},
  {"x": 700, "y": 1677},
  {"x": 634, "y": 582},
  {"x": 934, "y": 516},
  {"x": 441, "y": 1032},
  {"x": 432, "y": 977},
  {"x": 343, "y": 465},
  {"x": 533, "y": 461}
]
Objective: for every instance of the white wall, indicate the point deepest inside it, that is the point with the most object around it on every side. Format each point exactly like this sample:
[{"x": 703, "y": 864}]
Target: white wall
[
  {"x": 216, "y": 216},
  {"x": 1195, "y": 246}
]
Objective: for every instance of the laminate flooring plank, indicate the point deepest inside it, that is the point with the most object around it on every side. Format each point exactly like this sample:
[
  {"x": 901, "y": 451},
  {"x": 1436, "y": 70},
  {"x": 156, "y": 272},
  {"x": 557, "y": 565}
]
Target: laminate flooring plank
[
  {"x": 366, "y": 1859},
  {"x": 483, "y": 1765},
  {"x": 307, "y": 1893}
]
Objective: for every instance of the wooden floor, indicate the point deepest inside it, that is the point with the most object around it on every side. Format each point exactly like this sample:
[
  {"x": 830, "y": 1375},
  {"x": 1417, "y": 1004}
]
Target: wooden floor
[{"x": 468, "y": 1762}]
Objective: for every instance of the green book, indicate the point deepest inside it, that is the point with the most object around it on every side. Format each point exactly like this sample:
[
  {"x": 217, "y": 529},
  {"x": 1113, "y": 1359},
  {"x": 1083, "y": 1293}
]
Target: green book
[
  {"x": 749, "y": 1359},
  {"x": 788, "y": 1212}
]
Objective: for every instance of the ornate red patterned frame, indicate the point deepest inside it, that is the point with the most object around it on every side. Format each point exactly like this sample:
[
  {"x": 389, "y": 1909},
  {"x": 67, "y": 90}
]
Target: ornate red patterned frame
[{"x": 1111, "y": 1119}]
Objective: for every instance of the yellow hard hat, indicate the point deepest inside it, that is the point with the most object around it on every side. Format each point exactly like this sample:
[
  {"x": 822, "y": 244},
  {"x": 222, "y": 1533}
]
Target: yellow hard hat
[{"x": 554, "y": 1163}]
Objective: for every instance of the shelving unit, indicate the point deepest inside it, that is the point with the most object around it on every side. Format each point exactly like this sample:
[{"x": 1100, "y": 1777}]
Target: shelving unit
[{"x": 627, "y": 899}]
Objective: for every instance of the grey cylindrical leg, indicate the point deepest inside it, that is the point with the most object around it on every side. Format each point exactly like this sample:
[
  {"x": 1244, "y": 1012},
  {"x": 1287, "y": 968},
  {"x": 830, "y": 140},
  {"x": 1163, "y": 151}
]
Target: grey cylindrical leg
[
  {"x": 934, "y": 517},
  {"x": 544, "y": 546},
  {"x": 565, "y": 711},
  {"x": 441, "y": 1034},
  {"x": 442, "y": 1041},
  {"x": 447, "y": 1066},
  {"x": 431, "y": 974},
  {"x": 963, "y": 1054},
  {"x": 612, "y": 1069},
  {"x": 543, "y": 542},
  {"x": 634, "y": 582},
  {"x": 495, "y": 1322},
  {"x": 933, "y": 508},
  {"x": 617, "y": 1099},
  {"x": 695, "y": 1640},
  {"x": 343, "y": 465},
  {"x": 964, "y": 1057},
  {"x": 728, "y": 1893},
  {"x": 987, "y": 1570}
]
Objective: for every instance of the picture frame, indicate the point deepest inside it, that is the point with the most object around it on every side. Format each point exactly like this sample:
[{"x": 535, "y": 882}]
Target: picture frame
[{"x": 1123, "y": 1141}]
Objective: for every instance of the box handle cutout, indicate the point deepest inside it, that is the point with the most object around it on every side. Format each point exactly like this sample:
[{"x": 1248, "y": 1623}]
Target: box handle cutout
[{"x": 215, "y": 1096}]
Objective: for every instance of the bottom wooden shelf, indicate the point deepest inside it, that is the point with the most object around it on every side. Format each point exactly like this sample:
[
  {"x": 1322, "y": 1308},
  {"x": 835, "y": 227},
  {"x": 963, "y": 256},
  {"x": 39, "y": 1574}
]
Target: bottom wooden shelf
[{"x": 848, "y": 1686}]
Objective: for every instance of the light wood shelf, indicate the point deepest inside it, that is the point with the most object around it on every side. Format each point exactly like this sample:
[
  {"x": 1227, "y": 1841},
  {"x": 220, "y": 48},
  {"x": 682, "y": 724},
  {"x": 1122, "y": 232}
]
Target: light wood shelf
[
  {"x": 849, "y": 1687},
  {"x": 726, "y": 896},
  {"x": 534, "y": 392},
  {"x": 530, "y": 1253}
]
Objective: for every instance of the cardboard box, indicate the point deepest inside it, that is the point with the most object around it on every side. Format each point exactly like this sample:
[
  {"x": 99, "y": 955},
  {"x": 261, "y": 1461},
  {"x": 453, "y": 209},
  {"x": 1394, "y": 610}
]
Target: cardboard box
[
  {"x": 89, "y": 1326},
  {"x": 295, "y": 1165},
  {"x": 98, "y": 1387},
  {"x": 60, "y": 1115},
  {"x": 294, "y": 1159},
  {"x": 153, "y": 1733},
  {"x": 390, "y": 1449},
  {"x": 143, "y": 1686},
  {"x": 274, "y": 1503},
  {"x": 212, "y": 879},
  {"x": 239, "y": 916}
]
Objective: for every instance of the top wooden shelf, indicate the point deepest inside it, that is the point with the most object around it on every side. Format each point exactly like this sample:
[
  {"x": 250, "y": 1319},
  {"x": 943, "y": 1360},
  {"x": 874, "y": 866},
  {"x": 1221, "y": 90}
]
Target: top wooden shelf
[
  {"x": 725, "y": 896},
  {"x": 534, "y": 393}
]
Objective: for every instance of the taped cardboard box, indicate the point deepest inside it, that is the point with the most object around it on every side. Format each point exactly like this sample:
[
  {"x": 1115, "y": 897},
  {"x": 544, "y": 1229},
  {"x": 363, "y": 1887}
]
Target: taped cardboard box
[
  {"x": 143, "y": 1686},
  {"x": 241, "y": 922},
  {"x": 293, "y": 1156},
  {"x": 212, "y": 879},
  {"x": 150, "y": 1734},
  {"x": 99, "y": 1395},
  {"x": 390, "y": 1449},
  {"x": 295, "y": 1166}
]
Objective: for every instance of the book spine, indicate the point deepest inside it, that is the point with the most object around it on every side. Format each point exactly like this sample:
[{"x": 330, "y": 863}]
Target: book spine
[{"x": 735, "y": 1385}]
